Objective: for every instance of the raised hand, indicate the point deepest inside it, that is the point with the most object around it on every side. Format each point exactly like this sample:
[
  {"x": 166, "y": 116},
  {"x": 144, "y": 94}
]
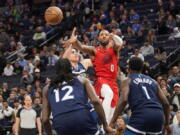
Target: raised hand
[{"x": 73, "y": 37}]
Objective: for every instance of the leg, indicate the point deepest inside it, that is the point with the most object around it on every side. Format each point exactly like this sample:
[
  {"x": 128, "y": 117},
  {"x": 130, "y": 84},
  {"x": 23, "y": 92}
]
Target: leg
[{"x": 107, "y": 94}]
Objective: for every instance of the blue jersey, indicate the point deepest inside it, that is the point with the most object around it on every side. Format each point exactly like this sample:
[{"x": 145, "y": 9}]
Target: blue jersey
[
  {"x": 147, "y": 114},
  {"x": 79, "y": 70},
  {"x": 143, "y": 93},
  {"x": 67, "y": 98}
]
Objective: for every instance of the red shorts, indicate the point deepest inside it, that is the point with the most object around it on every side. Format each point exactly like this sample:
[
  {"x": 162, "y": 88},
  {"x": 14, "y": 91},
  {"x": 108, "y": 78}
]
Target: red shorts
[{"x": 113, "y": 85}]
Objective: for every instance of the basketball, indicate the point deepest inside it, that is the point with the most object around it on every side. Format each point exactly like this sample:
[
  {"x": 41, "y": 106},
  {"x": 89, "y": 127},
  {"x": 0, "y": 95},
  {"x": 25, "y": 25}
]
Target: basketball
[{"x": 53, "y": 15}]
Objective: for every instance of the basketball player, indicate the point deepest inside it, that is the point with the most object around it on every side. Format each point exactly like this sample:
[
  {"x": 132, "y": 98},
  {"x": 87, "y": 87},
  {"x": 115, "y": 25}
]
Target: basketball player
[
  {"x": 79, "y": 66},
  {"x": 67, "y": 98},
  {"x": 145, "y": 97},
  {"x": 105, "y": 63}
]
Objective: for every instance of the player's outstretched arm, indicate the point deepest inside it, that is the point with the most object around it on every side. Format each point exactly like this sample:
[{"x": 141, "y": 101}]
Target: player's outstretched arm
[
  {"x": 118, "y": 42},
  {"x": 96, "y": 102},
  {"x": 122, "y": 101},
  {"x": 67, "y": 52},
  {"x": 90, "y": 50},
  {"x": 46, "y": 112},
  {"x": 166, "y": 107}
]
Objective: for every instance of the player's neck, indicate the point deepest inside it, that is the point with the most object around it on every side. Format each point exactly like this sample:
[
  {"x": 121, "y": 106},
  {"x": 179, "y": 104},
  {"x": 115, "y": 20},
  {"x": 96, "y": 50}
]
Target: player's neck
[
  {"x": 135, "y": 72},
  {"x": 104, "y": 47},
  {"x": 74, "y": 64}
]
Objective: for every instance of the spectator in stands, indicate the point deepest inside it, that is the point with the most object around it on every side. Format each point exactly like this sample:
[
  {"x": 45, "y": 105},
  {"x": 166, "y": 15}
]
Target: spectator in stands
[
  {"x": 7, "y": 114},
  {"x": 5, "y": 90},
  {"x": 175, "y": 99},
  {"x": 127, "y": 51},
  {"x": 27, "y": 118},
  {"x": 130, "y": 33},
  {"x": 136, "y": 26},
  {"x": 40, "y": 35},
  {"x": 173, "y": 9},
  {"x": 175, "y": 34},
  {"x": 22, "y": 62},
  {"x": 43, "y": 58},
  {"x": 29, "y": 89},
  {"x": 162, "y": 13},
  {"x": 124, "y": 23},
  {"x": 52, "y": 58},
  {"x": 86, "y": 39},
  {"x": 151, "y": 38},
  {"x": 37, "y": 104},
  {"x": 29, "y": 67},
  {"x": 175, "y": 128},
  {"x": 140, "y": 38},
  {"x": 137, "y": 53},
  {"x": 171, "y": 22},
  {"x": 38, "y": 76},
  {"x": 158, "y": 79},
  {"x": 17, "y": 68},
  {"x": 120, "y": 126},
  {"x": 27, "y": 78},
  {"x": 2, "y": 48},
  {"x": 175, "y": 76},
  {"x": 166, "y": 88},
  {"x": 161, "y": 26},
  {"x": 12, "y": 47},
  {"x": 8, "y": 70},
  {"x": 147, "y": 49},
  {"x": 17, "y": 106},
  {"x": 146, "y": 23},
  {"x": 94, "y": 32},
  {"x": 1, "y": 102},
  {"x": 161, "y": 56},
  {"x": 22, "y": 93},
  {"x": 134, "y": 16},
  {"x": 4, "y": 37},
  {"x": 11, "y": 99}
]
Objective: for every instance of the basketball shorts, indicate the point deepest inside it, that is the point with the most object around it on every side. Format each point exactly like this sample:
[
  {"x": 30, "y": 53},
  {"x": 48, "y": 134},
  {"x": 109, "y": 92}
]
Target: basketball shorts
[
  {"x": 79, "y": 122},
  {"x": 113, "y": 85},
  {"x": 146, "y": 121}
]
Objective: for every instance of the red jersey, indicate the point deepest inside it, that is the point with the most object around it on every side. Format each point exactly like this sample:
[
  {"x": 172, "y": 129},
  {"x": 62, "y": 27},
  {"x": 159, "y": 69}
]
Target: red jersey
[
  {"x": 105, "y": 63},
  {"x": 106, "y": 67}
]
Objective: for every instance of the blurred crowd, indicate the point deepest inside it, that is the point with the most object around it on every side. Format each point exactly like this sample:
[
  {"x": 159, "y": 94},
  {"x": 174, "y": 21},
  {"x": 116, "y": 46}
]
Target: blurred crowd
[{"x": 22, "y": 28}]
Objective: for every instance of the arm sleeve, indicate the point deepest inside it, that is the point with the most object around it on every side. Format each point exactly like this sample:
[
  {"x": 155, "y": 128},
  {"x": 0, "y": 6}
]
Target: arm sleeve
[
  {"x": 18, "y": 113},
  {"x": 38, "y": 113}
]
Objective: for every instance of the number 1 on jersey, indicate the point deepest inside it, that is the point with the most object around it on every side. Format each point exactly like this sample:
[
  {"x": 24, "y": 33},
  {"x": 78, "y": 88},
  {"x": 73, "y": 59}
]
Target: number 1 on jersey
[{"x": 146, "y": 92}]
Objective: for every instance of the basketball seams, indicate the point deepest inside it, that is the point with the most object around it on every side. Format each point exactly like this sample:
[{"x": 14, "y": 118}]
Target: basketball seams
[{"x": 53, "y": 15}]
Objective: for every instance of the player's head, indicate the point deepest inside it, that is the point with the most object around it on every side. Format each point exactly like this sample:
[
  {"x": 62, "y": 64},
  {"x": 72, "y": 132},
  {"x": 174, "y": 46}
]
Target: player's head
[
  {"x": 63, "y": 71},
  {"x": 74, "y": 56},
  {"x": 104, "y": 37},
  {"x": 135, "y": 64}
]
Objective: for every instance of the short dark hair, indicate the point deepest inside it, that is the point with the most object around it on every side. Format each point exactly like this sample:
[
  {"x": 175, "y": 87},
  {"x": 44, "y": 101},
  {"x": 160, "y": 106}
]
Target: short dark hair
[{"x": 135, "y": 63}]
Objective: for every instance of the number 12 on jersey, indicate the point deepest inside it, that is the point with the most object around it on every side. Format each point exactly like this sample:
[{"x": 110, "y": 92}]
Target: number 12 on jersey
[{"x": 67, "y": 95}]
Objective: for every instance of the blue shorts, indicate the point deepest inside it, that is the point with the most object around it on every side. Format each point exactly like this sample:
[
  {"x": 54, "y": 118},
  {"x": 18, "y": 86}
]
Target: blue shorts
[
  {"x": 79, "y": 122},
  {"x": 148, "y": 120},
  {"x": 128, "y": 132}
]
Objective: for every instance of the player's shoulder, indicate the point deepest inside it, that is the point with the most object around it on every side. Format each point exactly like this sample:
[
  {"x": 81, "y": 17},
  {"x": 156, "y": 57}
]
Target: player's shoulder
[
  {"x": 126, "y": 81},
  {"x": 45, "y": 89}
]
